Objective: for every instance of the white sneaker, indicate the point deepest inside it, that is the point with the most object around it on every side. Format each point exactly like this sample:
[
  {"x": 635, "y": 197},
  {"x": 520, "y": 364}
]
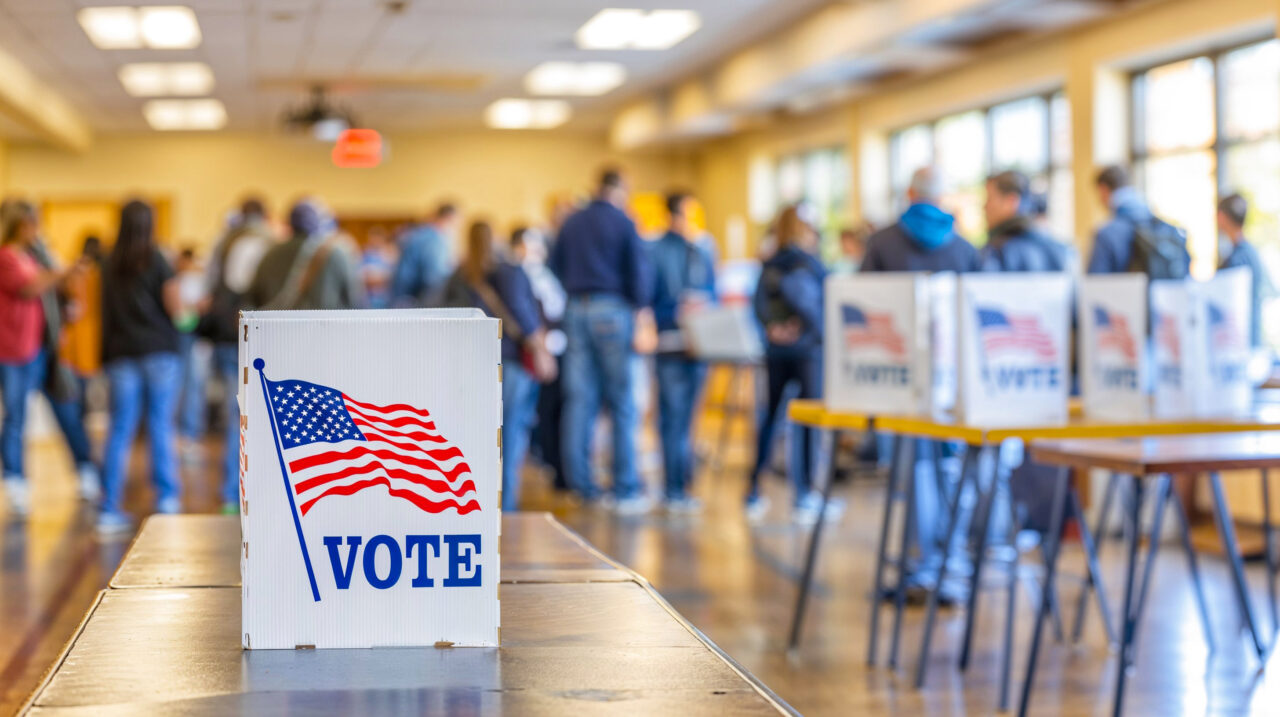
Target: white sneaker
[
  {"x": 113, "y": 524},
  {"x": 688, "y": 505},
  {"x": 806, "y": 511},
  {"x": 635, "y": 505},
  {"x": 756, "y": 508},
  {"x": 169, "y": 506},
  {"x": 15, "y": 490},
  {"x": 90, "y": 484}
]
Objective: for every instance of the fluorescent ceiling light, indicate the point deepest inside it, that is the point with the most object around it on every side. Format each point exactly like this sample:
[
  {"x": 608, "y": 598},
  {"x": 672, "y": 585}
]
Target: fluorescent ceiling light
[
  {"x": 185, "y": 114},
  {"x": 156, "y": 79},
  {"x": 574, "y": 78},
  {"x": 629, "y": 29},
  {"x": 513, "y": 113},
  {"x": 166, "y": 27}
]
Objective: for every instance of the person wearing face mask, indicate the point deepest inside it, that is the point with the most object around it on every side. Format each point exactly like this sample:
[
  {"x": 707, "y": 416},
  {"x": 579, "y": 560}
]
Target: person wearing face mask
[{"x": 1235, "y": 250}]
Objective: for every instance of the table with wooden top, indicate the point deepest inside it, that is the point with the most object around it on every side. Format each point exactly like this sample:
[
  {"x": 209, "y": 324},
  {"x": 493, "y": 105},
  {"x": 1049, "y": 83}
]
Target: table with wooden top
[
  {"x": 981, "y": 439},
  {"x": 581, "y": 635},
  {"x": 1161, "y": 457}
]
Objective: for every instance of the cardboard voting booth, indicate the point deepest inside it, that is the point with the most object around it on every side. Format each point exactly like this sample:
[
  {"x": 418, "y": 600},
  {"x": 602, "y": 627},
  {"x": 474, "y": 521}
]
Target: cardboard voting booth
[
  {"x": 1113, "y": 366},
  {"x": 1228, "y": 314},
  {"x": 369, "y": 478},
  {"x": 1013, "y": 333},
  {"x": 722, "y": 333},
  {"x": 877, "y": 354},
  {"x": 1177, "y": 358},
  {"x": 942, "y": 337}
]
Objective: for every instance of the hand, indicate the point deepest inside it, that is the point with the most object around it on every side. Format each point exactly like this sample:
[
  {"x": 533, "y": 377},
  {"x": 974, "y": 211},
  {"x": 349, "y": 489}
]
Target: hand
[{"x": 783, "y": 333}]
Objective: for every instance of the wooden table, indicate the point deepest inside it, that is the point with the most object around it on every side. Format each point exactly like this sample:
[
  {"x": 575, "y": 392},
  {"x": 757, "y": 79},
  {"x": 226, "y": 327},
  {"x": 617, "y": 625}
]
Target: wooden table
[
  {"x": 571, "y": 644},
  {"x": 1142, "y": 458}
]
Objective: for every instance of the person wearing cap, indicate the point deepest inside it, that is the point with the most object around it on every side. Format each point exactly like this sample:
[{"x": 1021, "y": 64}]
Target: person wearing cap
[
  {"x": 1014, "y": 243},
  {"x": 1235, "y": 250},
  {"x": 316, "y": 268}
]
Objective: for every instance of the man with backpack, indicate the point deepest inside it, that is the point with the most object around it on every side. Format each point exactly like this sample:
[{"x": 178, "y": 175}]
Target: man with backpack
[
  {"x": 1134, "y": 239},
  {"x": 231, "y": 269}
]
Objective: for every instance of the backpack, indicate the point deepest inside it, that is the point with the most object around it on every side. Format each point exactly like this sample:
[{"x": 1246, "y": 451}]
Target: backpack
[
  {"x": 1159, "y": 250},
  {"x": 777, "y": 309},
  {"x": 219, "y": 321}
]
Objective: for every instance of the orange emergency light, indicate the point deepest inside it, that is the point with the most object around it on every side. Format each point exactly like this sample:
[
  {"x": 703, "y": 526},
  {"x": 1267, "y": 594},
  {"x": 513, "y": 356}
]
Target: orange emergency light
[{"x": 358, "y": 149}]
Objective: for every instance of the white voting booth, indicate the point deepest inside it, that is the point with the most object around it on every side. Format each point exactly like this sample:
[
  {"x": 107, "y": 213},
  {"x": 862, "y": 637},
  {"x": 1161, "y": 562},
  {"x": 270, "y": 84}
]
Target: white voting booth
[
  {"x": 1013, "y": 342},
  {"x": 878, "y": 352},
  {"x": 369, "y": 478},
  {"x": 722, "y": 333},
  {"x": 1114, "y": 361}
]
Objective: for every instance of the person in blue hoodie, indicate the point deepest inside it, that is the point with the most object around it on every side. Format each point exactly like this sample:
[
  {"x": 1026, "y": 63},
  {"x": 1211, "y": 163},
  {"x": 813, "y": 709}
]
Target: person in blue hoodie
[
  {"x": 924, "y": 237},
  {"x": 1014, "y": 242},
  {"x": 788, "y": 304},
  {"x": 683, "y": 281}
]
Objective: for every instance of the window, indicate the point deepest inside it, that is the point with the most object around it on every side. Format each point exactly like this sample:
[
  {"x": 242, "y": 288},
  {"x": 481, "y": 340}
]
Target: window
[
  {"x": 1205, "y": 127},
  {"x": 1032, "y": 135},
  {"x": 820, "y": 177}
]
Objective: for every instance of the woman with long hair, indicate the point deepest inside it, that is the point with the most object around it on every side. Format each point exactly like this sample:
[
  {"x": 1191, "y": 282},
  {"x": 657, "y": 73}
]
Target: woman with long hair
[
  {"x": 24, "y": 282},
  {"x": 502, "y": 290},
  {"x": 140, "y": 350},
  {"x": 788, "y": 304}
]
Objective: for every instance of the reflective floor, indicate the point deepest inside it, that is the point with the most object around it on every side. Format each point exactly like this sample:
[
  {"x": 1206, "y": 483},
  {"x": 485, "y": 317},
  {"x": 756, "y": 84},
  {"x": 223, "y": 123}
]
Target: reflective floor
[{"x": 737, "y": 584}]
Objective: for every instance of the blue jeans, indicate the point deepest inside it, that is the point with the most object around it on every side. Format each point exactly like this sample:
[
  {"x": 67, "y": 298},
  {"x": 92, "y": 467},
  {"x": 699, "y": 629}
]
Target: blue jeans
[
  {"x": 226, "y": 358},
  {"x": 679, "y": 383},
  {"x": 16, "y": 381},
  {"x": 597, "y": 365},
  {"x": 69, "y": 414},
  {"x": 155, "y": 381},
  {"x": 783, "y": 370},
  {"x": 194, "y": 373},
  {"x": 519, "y": 403}
]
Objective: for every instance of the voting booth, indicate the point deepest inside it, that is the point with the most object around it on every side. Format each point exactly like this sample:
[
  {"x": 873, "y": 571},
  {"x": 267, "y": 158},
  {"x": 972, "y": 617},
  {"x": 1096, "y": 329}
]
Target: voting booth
[
  {"x": 369, "y": 478},
  {"x": 1013, "y": 342},
  {"x": 1114, "y": 361},
  {"x": 722, "y": 333}
]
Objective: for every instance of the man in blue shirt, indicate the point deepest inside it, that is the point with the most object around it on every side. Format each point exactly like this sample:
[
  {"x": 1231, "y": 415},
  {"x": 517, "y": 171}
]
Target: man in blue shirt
[
  {"x": 1014, "y": 242},
  {"x": 1235, "y": 250},
  {"x": 683, "y": 281},
  {"x": 425, "y": 262},
  {"x": 602, "y": 264}
]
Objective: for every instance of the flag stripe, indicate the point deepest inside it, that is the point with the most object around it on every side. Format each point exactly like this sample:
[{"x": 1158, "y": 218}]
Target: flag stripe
[
  {"x": 320, "y": 459},
  {"x": 389, "y": 408},
  {"x": 434, "y": 484},
  {"x": 386, "y": 432},
  {"x": 425, "y": 504},
  {"x": 393, "y": 422}
]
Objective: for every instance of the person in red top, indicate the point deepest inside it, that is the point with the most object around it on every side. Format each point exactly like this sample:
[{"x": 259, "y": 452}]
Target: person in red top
[{"x": 22, "y": 281}]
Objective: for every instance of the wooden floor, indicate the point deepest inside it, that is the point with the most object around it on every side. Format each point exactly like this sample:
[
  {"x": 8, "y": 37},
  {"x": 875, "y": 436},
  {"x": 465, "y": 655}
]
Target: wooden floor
[{"x": 737, "y": 584}]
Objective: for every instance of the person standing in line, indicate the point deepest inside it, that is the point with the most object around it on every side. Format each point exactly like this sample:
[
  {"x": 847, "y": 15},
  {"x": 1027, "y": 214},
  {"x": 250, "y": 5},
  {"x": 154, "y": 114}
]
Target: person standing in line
[
  {"x": 192, "y": 293},
  {"x": 24, "y": 281},
  {"x": 377, "y": 264},
  {"x": 1235, "y": 250},
  {"x": 425, "y": 259},
  {"x": 502, "y": 290},
  {"x": 788, "y": 305},
  {"x": 232, "y": 267},
  {"x": 140, "y": 350},
  {"x": 82, "y": 340},
  {"x": 1014, "y": 242},
  {"x": 316, "y": 268},
  {"x": 684, "y": 282},
  {"x": 853, "y": 247},
  {"x": 602, "y": 264},
  {"x": 529, "y": 252},
  {"x": 1134, "y": 239}
]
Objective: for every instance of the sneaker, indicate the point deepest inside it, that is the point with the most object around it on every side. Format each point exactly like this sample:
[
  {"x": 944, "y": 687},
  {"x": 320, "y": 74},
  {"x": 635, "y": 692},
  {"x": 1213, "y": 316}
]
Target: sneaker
[
  {"x": 191, "y": 452},
  {"x": 112, "y": 523},
  {"x": 231, "y": 509},
  {"x": 756, "y": 507},
  {"x": 684, "y": 505},
  {"x": 635, "y": 505},
  {"x": 15, "y": 489},
  {"x": 90, "y": 483},
  {"x": 169, "y": 506}
]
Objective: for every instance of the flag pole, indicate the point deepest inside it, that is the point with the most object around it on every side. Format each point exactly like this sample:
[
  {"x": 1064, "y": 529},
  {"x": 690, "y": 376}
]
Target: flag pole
[{"x": 259, "y": 364}]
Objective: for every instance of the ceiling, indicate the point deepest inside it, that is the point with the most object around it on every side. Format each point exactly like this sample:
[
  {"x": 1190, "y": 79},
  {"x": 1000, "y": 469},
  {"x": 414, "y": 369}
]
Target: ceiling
[{"x": 388, "y": 66}]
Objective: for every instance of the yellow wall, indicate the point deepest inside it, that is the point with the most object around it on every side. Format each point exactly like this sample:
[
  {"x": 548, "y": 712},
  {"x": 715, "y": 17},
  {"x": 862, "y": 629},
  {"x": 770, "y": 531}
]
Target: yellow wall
[{"x": 505, "y": 176}]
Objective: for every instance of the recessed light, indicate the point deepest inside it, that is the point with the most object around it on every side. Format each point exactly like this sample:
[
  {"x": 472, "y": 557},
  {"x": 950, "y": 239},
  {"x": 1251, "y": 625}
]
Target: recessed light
[
  {"x": 199, "y": 114},
  {"x": 574, "y": 78},
  {"x": 511, "y": 113},
  {"x": 158, "y": 79},
  {"x": 630, "y": 29},
  {"x": 161, "y": 27}
]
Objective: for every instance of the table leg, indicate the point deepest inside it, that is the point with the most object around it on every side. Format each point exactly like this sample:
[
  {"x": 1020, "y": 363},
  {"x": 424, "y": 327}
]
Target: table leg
[
  {"x": 1006, "y": 659},
  {"x": 1270, "y": 549},
  {"x": 981, "y": 522},
  {"x": 931, "y": 609},
  {"x": 1094, "y": 573},
  {"x": 1128, "y": 624},
  {"x": 1193, "y": 566},
  {"x": 1094, "y": 580},
  {"x": 1054, "y": 539},
  {"x": 1163, "y": 488},
  {"x": 828, "y": 456},
  {"x": 1055, "y": 612},
  {"x": 883, "y": 547},
  {"x": 1228, "y": 532},
  {"x": 908, "y": 525}
]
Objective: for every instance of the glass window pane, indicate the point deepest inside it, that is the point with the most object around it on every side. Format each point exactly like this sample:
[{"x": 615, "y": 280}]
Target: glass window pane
[
  {"x": 1062, "y": 205},
  {"x": 1178, "y": 106},
  {"x": 1018, "y": 138},
  {"x": 1060, "y": 130},
  {"x": 818, "y": 179},
  {"x": 1251, "y": 90},
  {"x": 961, "y": 158},
  {"x": 790, "y": 180},
  {"x": 909, "y": 150},
  {"x": 1253, "y": 170},
  {"x": 1181, "y": 188}
]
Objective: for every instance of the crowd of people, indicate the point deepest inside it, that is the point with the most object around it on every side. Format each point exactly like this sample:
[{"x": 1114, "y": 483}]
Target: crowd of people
[{"x": 578, "y": 303}]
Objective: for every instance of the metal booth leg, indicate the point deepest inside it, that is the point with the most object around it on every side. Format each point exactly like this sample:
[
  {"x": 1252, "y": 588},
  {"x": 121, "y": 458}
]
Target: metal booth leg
[
  {"x": 883, "y": 548},
  {"x": 1095, "y": 571},
  {"x": 1006, "y": 658},
  {"x": 1127, "y": 623},
  {"x": 1094, "y": 578},
  {"x": 981, "y": 522},
  {"x": 908, "y": 525},
  {"x": 1054, "y": 540},
  {"x": 1228, "y": 532},
  {"x": 1163, "y": 487},
  {"x": 828, "y": 456},
  {"x": 1193, "y": 566},
  {"x": 1270, "y": 549}
]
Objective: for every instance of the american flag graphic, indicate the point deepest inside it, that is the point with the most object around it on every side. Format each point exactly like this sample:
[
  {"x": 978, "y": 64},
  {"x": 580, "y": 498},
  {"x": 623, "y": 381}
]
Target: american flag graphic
[
  {"x": 865, "y": 328},
  {"x": 1222, "y": 328},
  {"x": 334, "y": 445},
  {"x": 1002, "y": 332},
  {"x": 1113, "y": 333},
  {"x": 1166, "y": 336}
]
